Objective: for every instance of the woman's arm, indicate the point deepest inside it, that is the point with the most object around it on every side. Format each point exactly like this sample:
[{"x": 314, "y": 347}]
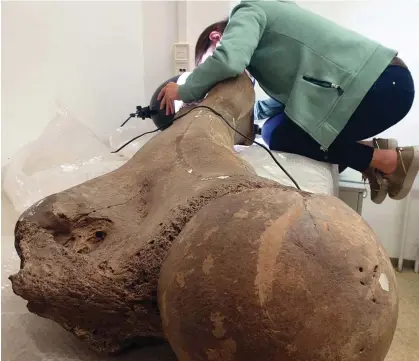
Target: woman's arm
[{"x": 240, "y": 39}]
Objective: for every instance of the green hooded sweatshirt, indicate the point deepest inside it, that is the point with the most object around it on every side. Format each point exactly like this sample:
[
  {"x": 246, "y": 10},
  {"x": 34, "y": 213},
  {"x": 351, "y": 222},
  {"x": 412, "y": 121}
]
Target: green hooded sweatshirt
[{"x": 318, "y": 69}]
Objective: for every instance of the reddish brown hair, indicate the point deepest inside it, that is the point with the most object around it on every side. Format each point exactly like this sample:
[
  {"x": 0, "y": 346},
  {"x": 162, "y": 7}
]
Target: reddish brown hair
[{"x": 204, "y": 41}]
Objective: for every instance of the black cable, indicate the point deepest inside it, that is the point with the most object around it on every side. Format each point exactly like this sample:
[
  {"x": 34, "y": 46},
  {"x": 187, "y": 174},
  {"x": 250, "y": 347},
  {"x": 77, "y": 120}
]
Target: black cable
[
  {"x": 131, "y": 116},
  {"x": 229, "y": 125},
  {"x": 253, "y": 141},
  {"x": 139, "y": 136}
]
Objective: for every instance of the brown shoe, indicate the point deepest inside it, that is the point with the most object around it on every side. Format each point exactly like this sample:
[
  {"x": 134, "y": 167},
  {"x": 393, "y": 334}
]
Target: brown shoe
[
  {"x": 401, "y": 180},
  {"x": 378, "y": 183},
  {"x": 383, "y": 143}
]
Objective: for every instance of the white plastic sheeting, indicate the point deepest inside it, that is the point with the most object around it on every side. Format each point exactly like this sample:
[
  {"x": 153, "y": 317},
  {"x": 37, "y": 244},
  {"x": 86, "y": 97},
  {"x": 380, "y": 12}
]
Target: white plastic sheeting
[
  {"x": 66, "y": 154},
  {"x": 312, "y": 176},
  {"x": 132, "y": 129}
]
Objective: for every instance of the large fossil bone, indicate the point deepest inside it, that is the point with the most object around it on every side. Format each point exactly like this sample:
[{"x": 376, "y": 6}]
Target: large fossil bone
[
  {"x": 236, "y": 263},
  {"x": 91, "y": 255}
]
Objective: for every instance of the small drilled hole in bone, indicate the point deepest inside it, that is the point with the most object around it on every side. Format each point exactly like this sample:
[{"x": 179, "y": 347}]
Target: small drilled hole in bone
[{"x": 100, "y": 235}]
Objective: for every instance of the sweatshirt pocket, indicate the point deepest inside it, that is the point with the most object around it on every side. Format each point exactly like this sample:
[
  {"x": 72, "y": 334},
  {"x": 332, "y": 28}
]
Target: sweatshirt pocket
[
  {"x": 324, "y": 84},
  {"x": 311, "y": 101}
]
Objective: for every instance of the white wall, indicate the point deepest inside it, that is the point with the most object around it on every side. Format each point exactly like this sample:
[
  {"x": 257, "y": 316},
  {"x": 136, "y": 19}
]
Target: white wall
[
  {"x": 160, "y": 33},
  {"x": 97, "y": 59},
  {"x": 195, "y": 16},
  {"x": 88, "y": 56}
]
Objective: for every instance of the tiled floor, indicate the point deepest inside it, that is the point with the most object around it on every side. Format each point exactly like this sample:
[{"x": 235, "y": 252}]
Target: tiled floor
[{"x": 26, "y": 337}]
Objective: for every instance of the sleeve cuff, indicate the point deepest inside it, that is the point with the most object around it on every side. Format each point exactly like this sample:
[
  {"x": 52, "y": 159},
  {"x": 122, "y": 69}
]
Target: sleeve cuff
[{"x": 185, "y": 95}]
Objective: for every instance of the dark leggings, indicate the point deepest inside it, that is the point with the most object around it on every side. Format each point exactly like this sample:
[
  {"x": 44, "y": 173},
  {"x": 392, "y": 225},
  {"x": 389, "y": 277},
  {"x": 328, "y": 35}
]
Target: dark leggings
[{"x": 385, "y": 104}]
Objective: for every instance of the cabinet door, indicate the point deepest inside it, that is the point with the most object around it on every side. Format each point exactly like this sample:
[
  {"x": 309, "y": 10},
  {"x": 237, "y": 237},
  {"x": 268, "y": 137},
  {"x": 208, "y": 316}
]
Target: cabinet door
[{"x": 351, "y": 198}]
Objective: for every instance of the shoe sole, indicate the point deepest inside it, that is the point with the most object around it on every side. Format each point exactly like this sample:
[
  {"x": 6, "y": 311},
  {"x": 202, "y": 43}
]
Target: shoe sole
[
  {"x": 382, "y": 193},
  {"x": 410, "y": 177}
]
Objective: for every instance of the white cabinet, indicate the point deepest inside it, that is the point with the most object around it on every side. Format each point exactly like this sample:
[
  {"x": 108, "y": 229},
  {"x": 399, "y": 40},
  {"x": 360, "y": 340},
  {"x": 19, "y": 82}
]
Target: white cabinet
[{"x": 352, "y": 189}]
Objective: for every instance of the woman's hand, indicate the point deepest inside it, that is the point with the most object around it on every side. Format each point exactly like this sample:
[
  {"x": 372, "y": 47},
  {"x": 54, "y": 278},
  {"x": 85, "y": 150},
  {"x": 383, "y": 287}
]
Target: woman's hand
[{"x": 167, "y": 96}]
